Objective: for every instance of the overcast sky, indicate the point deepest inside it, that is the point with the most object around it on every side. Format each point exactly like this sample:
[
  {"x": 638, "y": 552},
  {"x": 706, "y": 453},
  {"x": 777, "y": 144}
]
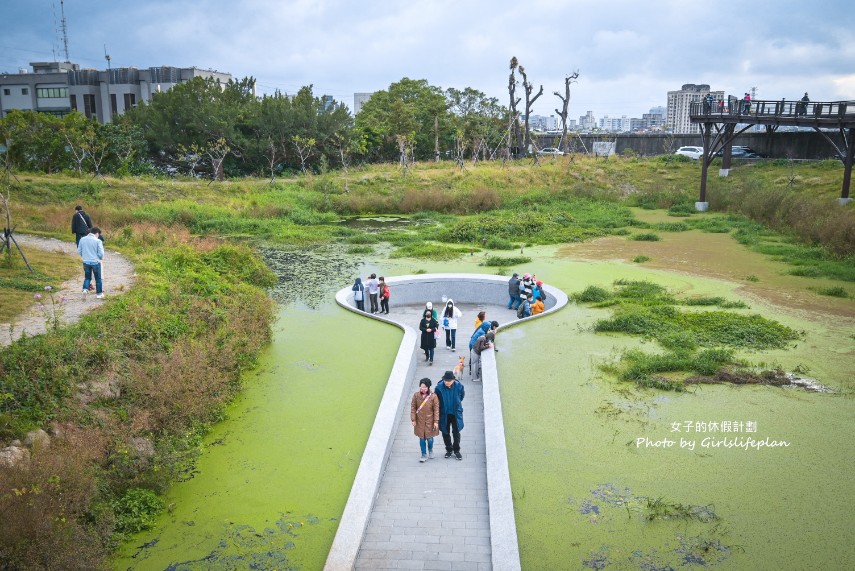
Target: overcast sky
[{"x": 629, "y": 53}]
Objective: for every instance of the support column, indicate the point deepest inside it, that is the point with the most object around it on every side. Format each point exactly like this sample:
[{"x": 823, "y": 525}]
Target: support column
[
  {"x": 702, "y": 205},
  {"x": 849, "y": 141}
]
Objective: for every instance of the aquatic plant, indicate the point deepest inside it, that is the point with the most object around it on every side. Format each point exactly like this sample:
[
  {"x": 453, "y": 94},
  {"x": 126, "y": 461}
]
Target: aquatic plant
[
  {"x": 505, "y": 262},
  {"x": 641, "y": 259},
  {"x": 835, "y": 291},
  {"x": 645, "y": 237}
]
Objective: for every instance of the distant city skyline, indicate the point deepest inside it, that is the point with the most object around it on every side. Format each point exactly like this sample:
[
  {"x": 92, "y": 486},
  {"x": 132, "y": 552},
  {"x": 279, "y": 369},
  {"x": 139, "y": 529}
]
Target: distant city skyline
[{"x": 627, "y": 64}]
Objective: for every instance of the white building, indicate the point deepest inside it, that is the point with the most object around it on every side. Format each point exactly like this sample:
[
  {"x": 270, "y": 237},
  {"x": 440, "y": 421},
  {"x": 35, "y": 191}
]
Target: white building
[
  {"x": 587, "y": 122},
  {"x": 61, "y": 87},
  {"x": 359, "y": 99},
  {"x": 677, "y": 118}
]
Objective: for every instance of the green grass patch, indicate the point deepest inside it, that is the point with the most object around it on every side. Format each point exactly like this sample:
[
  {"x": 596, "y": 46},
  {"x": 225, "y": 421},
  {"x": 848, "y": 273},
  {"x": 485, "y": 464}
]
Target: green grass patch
[
  {"x": 835, "y": 291},
  {"x": 641, "y": 259},
  {"x": 505, "y": 262},
  {"x": 645, "y": 237},
  {"x": 439, "y": 252}
]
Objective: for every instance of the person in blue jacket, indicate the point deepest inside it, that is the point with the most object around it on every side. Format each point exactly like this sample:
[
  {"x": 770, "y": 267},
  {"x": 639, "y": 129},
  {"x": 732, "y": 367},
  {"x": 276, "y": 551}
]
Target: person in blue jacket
[{"x": 450, "y": 392}]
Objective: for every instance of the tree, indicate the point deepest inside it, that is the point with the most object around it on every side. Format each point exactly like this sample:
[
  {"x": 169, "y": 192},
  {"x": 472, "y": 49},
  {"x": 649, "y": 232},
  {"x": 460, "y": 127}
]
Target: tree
[
  {"x": 513, "y": 119},
  {"x": 304, "y": 146},
  {"x": 35, "y": 141},
  {"x": 529, "y": 101},
  {"x": 411, "y": 112},
  {"x": 477, "y": 120},
  {"x": 565, "y": 103}
]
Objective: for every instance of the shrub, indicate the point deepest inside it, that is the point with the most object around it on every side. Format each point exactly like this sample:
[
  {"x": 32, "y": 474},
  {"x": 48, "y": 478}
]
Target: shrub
[
  {"x": 136, "y": 510},
  {"x": 645, "y": 237},
  {"x": 592, "y": 294},
  {"x": 641, "y": 259},
  {"x": 505, "y": 262},
  {"x": 835, "y": 291}
]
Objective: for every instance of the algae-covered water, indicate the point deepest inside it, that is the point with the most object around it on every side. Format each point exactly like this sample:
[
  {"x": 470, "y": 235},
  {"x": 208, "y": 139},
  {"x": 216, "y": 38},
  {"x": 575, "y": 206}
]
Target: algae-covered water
[
  {"x": 607, "y": 476},
  {"x": 588, "y": 494},
  {"x": 275, "y": 476}
]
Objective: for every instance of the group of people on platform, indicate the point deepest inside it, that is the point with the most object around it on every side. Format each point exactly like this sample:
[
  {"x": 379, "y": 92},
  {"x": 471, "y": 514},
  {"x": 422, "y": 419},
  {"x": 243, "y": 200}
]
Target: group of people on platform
[
  {"x": 526, "y": 295},
  {"x": 377, "y": 291}
]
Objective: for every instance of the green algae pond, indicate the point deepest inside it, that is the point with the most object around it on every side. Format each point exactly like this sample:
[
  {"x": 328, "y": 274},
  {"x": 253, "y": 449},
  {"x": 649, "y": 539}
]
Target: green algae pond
[{"x": 596, "y": 484}]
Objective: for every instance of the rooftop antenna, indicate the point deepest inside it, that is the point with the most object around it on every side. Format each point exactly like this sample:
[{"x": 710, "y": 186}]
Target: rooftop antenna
[{"x": 64, "y": 27}]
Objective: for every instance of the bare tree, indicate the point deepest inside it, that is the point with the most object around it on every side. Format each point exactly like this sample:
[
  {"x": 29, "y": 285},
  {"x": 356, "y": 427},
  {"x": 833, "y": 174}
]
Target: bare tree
[
  {"x": 217, "y": 151},
  {"x": 529, "y": 101},
  {"x": 304, "y": 146},
  {"x": 565, "y": 104},
  {"x": 274, "y": 154},
  {"x": 513, "y": 124}
]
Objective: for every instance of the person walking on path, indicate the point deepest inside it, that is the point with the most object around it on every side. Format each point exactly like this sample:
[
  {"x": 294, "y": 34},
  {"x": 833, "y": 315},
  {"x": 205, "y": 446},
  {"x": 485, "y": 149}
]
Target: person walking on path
[
  {"x": 91, "y": 250},
  {"x": 384, "y": 294},
  {"x": 428, "y": 327},
  {"x": 429, "y": 306},
  {"x": 449, "y": 323},
  {"x": 359, "y": 294},
  {"x": 484, "y": 342},
  {"x": 451, "y": 392},
  {"x": 373, "y": 290},
  {"x": 424, "y": 414},
  {"x": 514, "y": 291},
  {"x": 80, "y": 224}
]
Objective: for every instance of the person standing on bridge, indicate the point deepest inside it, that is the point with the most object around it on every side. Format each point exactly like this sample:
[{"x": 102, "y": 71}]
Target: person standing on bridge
[
  {"x": 803, "y": 105},
  {"x": 424, "y": 414},
  {"x": 451, "y": 392}
]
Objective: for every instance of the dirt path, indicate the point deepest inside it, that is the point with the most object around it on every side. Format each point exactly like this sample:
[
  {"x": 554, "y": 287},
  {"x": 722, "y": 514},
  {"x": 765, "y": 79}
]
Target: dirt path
[{"x": 118, "y": 276}]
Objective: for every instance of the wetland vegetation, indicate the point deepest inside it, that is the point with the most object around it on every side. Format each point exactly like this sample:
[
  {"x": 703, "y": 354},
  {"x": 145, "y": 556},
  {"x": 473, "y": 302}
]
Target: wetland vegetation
[{"x": 173, "y": 350}]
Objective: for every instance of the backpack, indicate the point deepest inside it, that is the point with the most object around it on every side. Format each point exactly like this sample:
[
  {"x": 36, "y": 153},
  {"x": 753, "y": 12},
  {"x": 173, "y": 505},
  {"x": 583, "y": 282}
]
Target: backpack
[{"x": 521, "y": 311}]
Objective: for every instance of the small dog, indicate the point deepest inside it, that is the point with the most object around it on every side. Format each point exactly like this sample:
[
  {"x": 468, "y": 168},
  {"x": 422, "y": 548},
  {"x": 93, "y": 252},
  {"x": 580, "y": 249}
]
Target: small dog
[{"x": 459, "y": 368}]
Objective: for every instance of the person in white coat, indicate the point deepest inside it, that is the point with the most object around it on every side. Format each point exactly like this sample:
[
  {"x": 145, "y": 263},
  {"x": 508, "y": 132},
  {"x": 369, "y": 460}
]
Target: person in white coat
[{"x": 449, "y": 322}]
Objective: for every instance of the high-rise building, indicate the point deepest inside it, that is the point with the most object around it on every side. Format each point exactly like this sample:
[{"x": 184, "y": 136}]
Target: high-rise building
[
  {"x": 677, "y": 118},
  {"x": 359, "y": 99},
  {"x": 61, "y": 87}
]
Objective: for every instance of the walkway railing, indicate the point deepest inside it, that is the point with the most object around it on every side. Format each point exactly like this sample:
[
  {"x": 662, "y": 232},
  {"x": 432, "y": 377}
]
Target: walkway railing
[{"x": 768, "y": 109}]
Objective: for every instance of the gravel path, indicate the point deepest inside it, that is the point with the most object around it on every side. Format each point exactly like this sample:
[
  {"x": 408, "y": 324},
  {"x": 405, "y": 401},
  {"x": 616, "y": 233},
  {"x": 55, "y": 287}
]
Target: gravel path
[{"x": 118, "y": 275}]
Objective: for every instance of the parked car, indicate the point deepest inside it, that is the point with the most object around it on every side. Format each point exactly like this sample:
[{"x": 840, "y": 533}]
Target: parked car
[
  {"x": 691, "y": 152},
  {"x": 738, "y": 152},
  {"x": 551, "y": 151}
]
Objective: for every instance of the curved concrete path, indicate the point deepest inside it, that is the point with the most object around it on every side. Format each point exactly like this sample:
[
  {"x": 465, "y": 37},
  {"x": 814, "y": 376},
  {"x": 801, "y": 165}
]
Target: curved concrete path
[{"x": 442, "y": 514}]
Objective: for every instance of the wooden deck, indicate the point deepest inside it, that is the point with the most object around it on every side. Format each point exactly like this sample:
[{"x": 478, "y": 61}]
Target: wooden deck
[{"x": 722, "y": 121}]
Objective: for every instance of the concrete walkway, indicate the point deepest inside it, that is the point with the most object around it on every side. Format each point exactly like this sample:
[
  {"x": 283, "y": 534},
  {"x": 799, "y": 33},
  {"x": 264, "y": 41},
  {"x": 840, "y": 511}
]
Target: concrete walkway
[
  {"x": 434, "y": 515},
  {"x": 445, "y": 513}
]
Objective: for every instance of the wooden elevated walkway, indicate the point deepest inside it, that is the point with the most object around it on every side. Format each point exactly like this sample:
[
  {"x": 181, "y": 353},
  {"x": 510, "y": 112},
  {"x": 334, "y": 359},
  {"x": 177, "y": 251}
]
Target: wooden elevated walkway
[{"x": 721, "y": 121}]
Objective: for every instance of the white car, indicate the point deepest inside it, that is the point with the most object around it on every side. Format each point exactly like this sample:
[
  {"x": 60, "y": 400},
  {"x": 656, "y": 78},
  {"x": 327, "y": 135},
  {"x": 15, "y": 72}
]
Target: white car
[
  {"x": 692, "y": 152},
  {"x": 551, "y": 151}
]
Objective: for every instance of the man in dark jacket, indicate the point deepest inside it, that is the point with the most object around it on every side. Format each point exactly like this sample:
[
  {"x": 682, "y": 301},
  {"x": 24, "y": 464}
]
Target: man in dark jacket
[
  {"x": 450, "y": 392},
  {"x": 80, "y": 224},
  {"x": 514, "y": 291}
]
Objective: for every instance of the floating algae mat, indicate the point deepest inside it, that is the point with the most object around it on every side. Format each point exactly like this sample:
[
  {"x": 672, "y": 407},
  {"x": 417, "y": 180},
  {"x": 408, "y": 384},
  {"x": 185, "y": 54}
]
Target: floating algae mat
[
  {"x": 606, "y": 475},
  {"x": 274, "y": 477}
]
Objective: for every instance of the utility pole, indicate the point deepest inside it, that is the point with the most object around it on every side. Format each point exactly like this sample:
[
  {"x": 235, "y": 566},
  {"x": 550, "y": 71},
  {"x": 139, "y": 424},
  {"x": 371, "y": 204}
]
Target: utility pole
[
  {"x": 64, "y": 28},
  {"x": 109, "y": 97}
]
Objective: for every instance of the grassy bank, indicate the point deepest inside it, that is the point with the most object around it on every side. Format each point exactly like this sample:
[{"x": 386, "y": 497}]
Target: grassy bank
[{"x": 127, "y": 392}]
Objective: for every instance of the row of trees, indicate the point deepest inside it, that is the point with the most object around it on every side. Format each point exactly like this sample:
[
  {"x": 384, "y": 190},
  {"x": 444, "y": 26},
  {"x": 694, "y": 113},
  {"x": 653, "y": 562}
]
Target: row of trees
[{"x": 202, "y": 126}]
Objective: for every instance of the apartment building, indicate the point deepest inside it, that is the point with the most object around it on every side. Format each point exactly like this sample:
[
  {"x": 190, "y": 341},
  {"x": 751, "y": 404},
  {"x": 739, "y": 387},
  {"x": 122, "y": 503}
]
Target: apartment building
[
  {"x": 61, "y": 87},
  {"x": 677, "y": 118}
]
